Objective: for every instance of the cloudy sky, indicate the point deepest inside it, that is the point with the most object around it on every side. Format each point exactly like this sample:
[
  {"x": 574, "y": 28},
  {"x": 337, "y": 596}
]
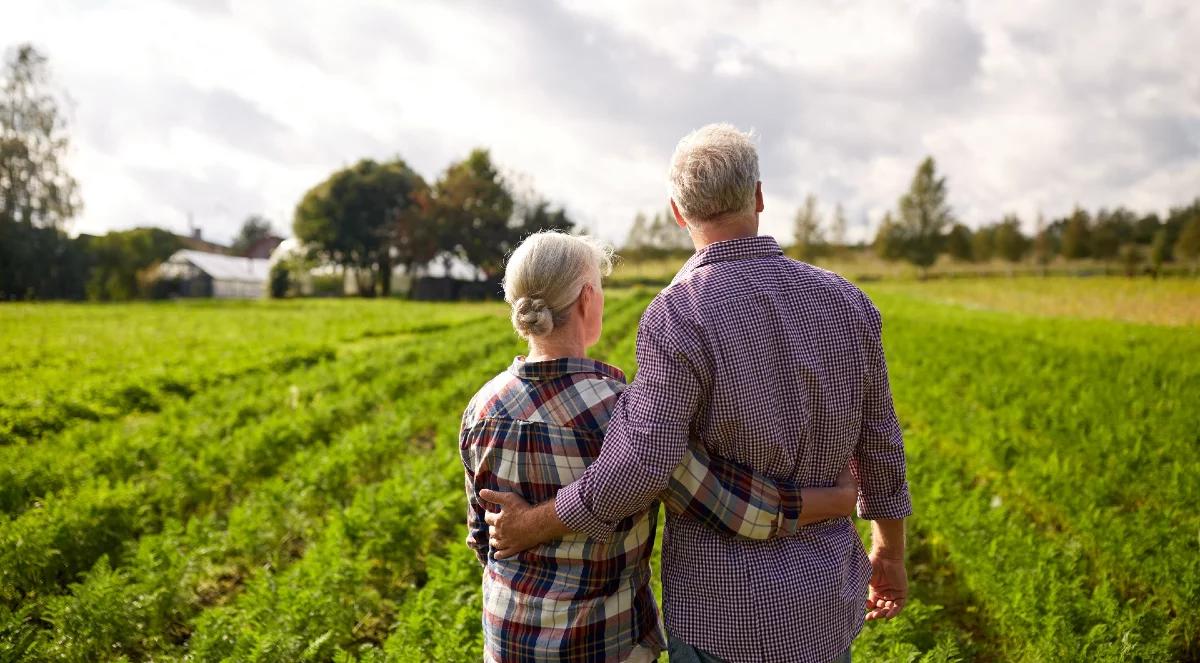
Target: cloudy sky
[{"x": 221, "y": 109}]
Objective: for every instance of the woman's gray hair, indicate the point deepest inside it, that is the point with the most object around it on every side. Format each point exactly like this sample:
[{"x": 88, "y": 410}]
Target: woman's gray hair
[
  {"x": 714, "y": 172},
  {"x": 545, "y": 275}
]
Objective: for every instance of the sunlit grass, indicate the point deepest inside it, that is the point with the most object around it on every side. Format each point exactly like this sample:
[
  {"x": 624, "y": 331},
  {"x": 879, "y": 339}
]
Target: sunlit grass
[{"x": 1174, "y": 302}]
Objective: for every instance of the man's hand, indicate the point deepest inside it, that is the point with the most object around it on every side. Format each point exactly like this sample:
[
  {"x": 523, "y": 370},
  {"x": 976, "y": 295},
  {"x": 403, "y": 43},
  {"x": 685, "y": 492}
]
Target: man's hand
[
  {"x": 889, "y": 586},
  {"x": 518, "y": 526}
]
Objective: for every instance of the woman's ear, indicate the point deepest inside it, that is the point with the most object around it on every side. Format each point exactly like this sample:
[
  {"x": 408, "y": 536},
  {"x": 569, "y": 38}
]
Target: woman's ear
[{"x": 585, "y": 297}]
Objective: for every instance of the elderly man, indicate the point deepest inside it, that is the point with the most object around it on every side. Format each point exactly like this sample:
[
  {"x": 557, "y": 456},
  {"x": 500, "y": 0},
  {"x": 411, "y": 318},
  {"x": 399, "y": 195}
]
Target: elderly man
[{"x": 774, "y": 364}]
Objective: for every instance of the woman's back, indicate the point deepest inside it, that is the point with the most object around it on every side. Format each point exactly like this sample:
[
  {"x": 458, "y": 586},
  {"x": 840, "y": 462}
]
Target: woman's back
[{"x": 532, "y": 430}]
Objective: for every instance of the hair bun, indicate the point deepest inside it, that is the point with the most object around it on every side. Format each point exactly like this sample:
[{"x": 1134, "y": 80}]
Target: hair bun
[{"x": 532, "y": 317}]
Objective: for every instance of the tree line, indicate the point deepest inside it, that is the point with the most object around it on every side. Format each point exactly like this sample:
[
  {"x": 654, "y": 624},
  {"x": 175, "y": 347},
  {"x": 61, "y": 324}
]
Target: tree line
[
  {"x": 375, "y": 216},
  {"x": 924, "y": 227}
]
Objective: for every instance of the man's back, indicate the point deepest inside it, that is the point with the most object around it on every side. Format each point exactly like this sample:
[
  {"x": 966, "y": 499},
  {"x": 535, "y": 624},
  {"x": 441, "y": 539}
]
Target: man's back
[
  {"x": 785, "y": 345},
  {"x": 777, "y": 365}
]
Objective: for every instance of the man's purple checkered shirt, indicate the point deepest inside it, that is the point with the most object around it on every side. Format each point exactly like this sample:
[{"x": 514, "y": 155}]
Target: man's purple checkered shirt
[{"x": 779, "y": 366}]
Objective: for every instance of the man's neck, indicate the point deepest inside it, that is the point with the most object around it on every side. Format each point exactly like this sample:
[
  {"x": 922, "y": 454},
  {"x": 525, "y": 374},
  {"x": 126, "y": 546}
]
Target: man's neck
[{"x": 723, "y": 230}]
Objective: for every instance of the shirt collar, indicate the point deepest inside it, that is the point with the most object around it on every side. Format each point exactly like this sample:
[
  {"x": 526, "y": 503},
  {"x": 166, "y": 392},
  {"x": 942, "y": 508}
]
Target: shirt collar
[
  {"x": 556, "y": 368},
  {"x": 742, "y": 248}
]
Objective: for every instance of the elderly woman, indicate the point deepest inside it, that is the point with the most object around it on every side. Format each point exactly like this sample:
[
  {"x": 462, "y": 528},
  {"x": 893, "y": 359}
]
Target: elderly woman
[{"x": 535, "y": 427}]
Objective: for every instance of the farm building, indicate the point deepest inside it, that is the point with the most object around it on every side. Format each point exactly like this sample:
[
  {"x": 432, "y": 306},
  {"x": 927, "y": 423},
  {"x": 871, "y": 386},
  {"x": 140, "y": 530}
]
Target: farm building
[{"x": 201, "y": 274}]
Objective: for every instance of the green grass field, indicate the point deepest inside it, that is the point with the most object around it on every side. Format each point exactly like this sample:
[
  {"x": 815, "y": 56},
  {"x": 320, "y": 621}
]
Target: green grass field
[{"x": 280, "y": 481}]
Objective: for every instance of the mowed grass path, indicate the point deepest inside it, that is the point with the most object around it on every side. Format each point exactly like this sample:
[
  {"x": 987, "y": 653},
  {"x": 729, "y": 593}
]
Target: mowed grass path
[{"x": 279, "y": 480}]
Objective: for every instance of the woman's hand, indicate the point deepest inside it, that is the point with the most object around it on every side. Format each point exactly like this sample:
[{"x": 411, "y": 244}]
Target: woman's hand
[
  {"x": 847, "y": 487},
  {"x": 837, "y": 501},
  {"x": 518, "y": 526}
]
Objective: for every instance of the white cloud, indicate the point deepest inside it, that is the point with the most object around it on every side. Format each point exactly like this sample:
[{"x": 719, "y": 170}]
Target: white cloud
[{"x": 221, "y": 110}]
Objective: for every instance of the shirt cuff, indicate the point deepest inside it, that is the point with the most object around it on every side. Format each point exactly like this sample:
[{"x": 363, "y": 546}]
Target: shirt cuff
[
  {"x": 570, "y": 509},
  {"x": 890, "y": 507}
]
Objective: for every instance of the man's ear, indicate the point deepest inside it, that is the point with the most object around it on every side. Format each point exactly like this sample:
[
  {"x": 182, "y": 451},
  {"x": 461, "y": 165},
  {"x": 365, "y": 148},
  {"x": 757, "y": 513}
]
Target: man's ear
[
  {"x": 758, "y": 198},
  {"x": 677, "y": 215}
]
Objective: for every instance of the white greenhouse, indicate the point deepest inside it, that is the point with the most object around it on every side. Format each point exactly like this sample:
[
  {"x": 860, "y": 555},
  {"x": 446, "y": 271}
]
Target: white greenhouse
[{"x": 202, "y": 274}]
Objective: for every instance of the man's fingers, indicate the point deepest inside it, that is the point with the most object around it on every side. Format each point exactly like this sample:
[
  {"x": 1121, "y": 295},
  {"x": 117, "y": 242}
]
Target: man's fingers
[
  {"x": 883, "y": 599},
  {"x": 877, "y": 614},
  {"x": 491, "y": 518},
  {"x": 881, "y": 608},
  {"x": 495, "y": 497}
]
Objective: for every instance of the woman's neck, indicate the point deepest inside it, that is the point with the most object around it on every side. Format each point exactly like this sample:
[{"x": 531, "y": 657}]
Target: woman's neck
[{"x": 547, "y": 349}]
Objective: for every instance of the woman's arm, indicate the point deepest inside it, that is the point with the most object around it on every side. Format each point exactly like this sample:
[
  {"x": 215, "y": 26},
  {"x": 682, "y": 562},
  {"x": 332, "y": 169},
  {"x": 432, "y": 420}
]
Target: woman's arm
[
  {"x": 737, "y": 501},
  {"x": 722, "y": 495}
]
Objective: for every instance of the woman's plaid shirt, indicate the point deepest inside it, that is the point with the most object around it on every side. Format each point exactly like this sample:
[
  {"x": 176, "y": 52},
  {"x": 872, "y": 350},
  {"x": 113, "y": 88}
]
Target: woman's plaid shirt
[{"x": 534, "y": 429}]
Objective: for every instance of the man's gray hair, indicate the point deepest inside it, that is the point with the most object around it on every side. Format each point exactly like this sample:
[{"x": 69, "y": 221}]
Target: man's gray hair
[{"x": 714, "y": 172}]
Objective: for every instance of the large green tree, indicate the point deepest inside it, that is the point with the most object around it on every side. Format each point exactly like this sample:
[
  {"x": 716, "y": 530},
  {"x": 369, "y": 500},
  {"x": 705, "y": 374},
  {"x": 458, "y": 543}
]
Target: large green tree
[
  {"x": 924, "y": 216},
  {"x": 37, "y": 195},
  {"x": 363, "y": 217},
  {"x": 473, "y": 208}
]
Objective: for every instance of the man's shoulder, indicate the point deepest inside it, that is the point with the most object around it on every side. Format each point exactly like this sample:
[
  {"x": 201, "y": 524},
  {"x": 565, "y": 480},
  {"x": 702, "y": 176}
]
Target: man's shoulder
[
  {"x": 709, "y": 285},
  {"x": 831, "y": 281}
]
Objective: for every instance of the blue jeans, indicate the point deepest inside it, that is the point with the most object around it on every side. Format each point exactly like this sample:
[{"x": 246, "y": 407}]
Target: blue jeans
[{"x": 681, "y": 652}]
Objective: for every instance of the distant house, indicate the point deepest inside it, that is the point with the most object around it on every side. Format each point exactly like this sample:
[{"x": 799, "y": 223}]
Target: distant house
[{"x": 203, "y": 274}]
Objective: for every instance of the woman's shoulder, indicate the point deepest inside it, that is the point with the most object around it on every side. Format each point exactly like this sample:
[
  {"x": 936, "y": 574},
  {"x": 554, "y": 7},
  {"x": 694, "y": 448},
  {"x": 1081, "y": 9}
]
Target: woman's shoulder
[
  {"x": 557, "y": 402},
  {"x": 585, "y": 401},
  {"x": 494, "y": 399}
]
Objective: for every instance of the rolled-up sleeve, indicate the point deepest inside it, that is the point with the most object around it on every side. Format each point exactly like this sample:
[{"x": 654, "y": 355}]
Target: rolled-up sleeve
[
  {"x": 879, "y": 463},
  {"x": 646, "y": 439}
]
